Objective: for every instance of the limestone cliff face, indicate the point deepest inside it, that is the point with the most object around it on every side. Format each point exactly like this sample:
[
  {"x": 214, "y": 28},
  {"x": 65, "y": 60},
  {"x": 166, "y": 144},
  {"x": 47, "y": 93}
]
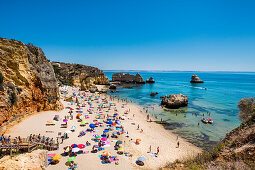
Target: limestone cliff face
[
  {"x": 29, "y": 82},
  {"x": 79, "y": 75}
]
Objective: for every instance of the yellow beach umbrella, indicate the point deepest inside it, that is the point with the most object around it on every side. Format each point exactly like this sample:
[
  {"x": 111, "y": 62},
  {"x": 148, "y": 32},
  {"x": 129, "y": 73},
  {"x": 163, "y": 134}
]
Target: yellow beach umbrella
[
  {"x": 107, "y": 154},
  {"x": 57, "y": 157}
]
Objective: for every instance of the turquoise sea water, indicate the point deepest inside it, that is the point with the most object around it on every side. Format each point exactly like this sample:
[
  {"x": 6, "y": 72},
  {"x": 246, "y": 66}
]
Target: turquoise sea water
[{"x": 224, "y": 90}]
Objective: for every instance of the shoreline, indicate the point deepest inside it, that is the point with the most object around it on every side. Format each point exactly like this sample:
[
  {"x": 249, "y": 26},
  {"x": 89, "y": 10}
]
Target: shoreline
[{"x": 154, "y": 135}]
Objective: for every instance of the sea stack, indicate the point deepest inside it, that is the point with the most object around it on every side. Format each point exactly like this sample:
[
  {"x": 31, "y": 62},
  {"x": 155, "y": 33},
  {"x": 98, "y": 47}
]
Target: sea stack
[
  {"x": 151, "y": 80},
  {"x": 196, "y": 79},
  {"x": 175, "y": 101}
]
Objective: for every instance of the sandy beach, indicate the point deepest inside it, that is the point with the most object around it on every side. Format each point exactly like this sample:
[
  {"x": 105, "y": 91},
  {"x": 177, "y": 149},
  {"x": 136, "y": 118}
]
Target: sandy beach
[{"x": 152, "y": 134}]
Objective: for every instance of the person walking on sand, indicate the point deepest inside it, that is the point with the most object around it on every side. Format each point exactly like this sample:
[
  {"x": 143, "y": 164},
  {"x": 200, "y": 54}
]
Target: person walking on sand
[
  {"x": 178, "y": 144},
  {"x": 157, "y": 150},
  {"x": 150, "y": 149},
  {"x": 138, "y": 127}
]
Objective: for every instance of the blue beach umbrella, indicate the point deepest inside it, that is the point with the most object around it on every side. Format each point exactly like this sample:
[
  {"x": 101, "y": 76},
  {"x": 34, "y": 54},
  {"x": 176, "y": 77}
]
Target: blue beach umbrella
[
  {"x": 142, "y": 159},
  {"x": 92, "y": 126}
]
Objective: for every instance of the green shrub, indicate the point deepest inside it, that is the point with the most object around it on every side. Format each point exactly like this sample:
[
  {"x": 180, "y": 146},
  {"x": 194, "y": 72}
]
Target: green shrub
[
  {"x": 1, "y": 78},
  {"x": 13, "y": 98},
  {"x": 39, "y": 108}
]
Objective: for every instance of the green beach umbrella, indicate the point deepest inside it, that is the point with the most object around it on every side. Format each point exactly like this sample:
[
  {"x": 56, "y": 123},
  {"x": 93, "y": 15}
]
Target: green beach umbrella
[
  {"x": 83, "y": 122},
  {"x": 71, "y": 159},
  {"x": 119, "y": 142},
  {"x": 97, "y": 137}
]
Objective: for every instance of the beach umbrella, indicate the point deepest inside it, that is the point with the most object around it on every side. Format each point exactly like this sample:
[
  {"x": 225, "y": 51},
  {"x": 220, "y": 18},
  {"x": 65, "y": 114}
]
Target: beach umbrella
[
  {"x": 65, "y": 120},
  {"x": 75, "y": 150},
  {"x": 110, "y": 122},
  {"x": 105, "y": 131},
  {"x": 104, "y": 139},
  {"x": 57, "y": 157},
  {"x": 98, "y": 137},
  {"x": 71, "y": 159},
  {"x": 107, "y": 154},
  {"x": 53, "y": 121},
  {"x": 51, "y": 154},
  {"x": 84, "y": 122},
  {"x": 92, "y": 126},
  {"x": 68, "y": 131},
  {"x": 121, "y": 149},
  {"x": 81, "y": 146},
  {"x": 142, "y": 159},
  {"x": 74, "y": 146},
  {"x": 119, "y": 142}
]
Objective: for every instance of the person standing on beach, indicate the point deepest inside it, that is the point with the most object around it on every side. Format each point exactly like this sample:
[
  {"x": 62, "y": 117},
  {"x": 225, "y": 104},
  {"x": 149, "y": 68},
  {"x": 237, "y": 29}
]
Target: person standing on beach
[
  {"x": 157, "y": 150},
  {"x": 178, "y": 144},
  {"x": 150, "y": 149}
]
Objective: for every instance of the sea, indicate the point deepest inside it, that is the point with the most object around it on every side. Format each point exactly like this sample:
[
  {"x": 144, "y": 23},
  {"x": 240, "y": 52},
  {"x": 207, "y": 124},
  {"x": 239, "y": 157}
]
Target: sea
[{"x": 216, "y": 98}]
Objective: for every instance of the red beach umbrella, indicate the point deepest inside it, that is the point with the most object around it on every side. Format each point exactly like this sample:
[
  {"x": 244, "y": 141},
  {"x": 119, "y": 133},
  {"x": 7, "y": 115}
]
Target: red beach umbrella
[
  {"x": 104, "y": 139},
  {"x": 81, "y": 146}
]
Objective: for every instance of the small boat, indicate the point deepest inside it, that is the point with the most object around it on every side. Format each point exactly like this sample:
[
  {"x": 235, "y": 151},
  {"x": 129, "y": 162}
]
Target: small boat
[
  {"x": 204, "y": 120},
  {"x": 209, "y": 120}
]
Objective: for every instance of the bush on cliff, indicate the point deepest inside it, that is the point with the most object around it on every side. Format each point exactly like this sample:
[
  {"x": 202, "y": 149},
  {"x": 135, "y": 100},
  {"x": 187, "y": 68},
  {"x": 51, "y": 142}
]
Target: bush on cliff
[
  {"x": 1, "y": 78},
  {"x": 13, "y": 98}
]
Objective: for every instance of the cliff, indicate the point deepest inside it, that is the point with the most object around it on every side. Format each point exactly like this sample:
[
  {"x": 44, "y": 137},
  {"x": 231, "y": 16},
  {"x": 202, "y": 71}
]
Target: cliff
[
  {"x": 28, "y": 81},
  {"x": 79, "y": 75},
  {"x": 128, "y": 78}
]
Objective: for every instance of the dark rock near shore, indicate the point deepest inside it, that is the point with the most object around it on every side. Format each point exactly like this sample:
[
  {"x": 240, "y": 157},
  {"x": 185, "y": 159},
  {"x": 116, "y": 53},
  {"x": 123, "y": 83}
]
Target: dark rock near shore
[
  {"x": 113, "y": 87},
  {"x": 196, "y": 79},
  {"x": 153, "y": 94},
  {"x": 175, "y": 101},
  {"x": 150, "y": 80}
]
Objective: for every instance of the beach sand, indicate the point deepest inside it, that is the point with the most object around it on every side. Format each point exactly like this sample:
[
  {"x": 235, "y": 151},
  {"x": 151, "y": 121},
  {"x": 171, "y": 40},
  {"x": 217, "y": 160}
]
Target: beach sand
[{"x": 153, "y": 135}]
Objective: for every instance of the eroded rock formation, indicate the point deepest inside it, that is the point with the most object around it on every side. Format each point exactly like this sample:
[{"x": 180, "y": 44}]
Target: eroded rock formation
[
  {"x": 128, "y": 78},
  {"x": 196, "y": 79},
  {"x": 150, "y": 80},
  {"x": 29, "y": 82},
  {"x": 175, "y": 101},
  {"x": 79, "y": 75}
]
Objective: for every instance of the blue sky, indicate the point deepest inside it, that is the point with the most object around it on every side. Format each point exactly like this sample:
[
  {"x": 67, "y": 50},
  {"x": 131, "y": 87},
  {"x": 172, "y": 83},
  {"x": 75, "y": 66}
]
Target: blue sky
[{"x": 198, "y": 35}]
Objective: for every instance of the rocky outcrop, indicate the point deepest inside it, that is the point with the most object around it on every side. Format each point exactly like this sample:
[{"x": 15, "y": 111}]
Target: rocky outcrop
[
  {"x": 150, "y": 80},
  {"x": 196, "y": 79},
  {"x": 153, "y": 94},
  {"x": 79, "y": 75},
  {"x": 29, "y": 82},
  {"x": 175, "y": 101},
  {"x": 113, "y": 87},
  {"x": 34, "y": 160},
  {"x": 128, "y": 78}
]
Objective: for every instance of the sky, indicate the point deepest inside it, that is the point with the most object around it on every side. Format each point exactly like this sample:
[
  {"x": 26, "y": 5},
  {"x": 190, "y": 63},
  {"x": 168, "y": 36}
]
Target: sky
[{"x": 197, "y": 35}]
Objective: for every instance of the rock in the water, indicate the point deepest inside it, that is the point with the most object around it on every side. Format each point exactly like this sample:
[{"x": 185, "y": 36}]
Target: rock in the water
[
  {"x": 128, "y": 78},
  {"x": 175, "y": 101},
  {"x": 153, "y": 94},
  {"x": 196, "y": 79},
  {"x": 151, "y": 80},
  {"x": 113, "y": 87}
]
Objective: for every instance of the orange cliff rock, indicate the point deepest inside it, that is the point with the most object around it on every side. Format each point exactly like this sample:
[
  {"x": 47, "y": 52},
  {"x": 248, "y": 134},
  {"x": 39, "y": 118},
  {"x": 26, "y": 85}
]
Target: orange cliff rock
[{"x": 28, "y": 81}]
